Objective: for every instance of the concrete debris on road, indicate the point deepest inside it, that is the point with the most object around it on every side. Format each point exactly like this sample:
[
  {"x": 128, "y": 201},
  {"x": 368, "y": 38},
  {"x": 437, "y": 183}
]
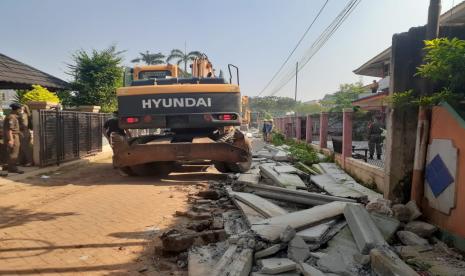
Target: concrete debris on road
[{"x": 281, "y": 219}]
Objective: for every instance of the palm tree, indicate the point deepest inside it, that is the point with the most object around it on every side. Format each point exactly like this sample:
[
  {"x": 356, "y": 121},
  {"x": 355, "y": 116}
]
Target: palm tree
[
  {"x": 183, "y": 57},
  {"x": 149, "y": 58}
]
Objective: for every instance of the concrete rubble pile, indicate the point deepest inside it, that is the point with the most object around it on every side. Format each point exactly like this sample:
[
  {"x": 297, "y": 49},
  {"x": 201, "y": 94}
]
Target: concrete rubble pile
[{"x": 280, "y": 220}]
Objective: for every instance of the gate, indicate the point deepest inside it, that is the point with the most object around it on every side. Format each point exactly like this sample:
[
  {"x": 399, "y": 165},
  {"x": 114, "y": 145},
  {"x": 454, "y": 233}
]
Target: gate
[{"x": 69, "y": 135}]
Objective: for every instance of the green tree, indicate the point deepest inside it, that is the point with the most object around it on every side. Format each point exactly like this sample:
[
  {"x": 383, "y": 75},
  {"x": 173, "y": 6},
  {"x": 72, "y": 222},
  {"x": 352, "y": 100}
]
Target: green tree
[
  {"x": 150, "y": 58},
  {"x": 183, "y": 57},
  {"x": 310, "y": 108},
  {"x": 272, "y": 105},
  {"x": 96, "y": 76},
  {"x": 40, "y": 94},
  {"x": 348, "y": 92}
]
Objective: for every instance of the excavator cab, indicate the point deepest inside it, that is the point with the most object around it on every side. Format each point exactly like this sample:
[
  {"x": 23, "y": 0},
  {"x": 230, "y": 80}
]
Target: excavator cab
[{"x": 198, "y": 116}]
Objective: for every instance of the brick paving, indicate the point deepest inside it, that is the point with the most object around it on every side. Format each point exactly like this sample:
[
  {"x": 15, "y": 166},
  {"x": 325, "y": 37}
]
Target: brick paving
[{"x": 88, "y": 221}]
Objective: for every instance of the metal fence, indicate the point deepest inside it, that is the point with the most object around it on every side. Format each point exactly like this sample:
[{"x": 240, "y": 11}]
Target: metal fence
[{"x": 69, "y": 135}]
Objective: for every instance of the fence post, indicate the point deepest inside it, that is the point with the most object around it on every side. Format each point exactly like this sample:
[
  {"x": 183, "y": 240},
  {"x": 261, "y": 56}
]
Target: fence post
[
  {"x": 298, "y": 128},
  {"x": 323, "y": 130},
  {"x": 308, "y": 129},
  {"x": 36, "y": 139},
  {"x": 346, "y": 134}
]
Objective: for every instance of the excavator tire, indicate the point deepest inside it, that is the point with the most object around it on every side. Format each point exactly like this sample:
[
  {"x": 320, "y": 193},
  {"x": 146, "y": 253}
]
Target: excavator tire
[{"x": 242, "y": 167}]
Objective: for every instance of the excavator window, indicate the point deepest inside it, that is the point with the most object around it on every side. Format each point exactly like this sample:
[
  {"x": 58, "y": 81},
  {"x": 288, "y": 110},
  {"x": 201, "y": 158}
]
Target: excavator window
[{"x": 155, "y": 74}]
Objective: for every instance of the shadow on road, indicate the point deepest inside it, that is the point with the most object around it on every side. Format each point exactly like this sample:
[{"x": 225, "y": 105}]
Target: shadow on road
[{"x": 11, "y": 216}]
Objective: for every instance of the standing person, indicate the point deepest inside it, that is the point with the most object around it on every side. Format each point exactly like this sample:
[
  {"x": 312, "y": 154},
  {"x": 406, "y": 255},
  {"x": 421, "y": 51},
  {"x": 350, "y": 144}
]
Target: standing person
[
  {"x": 25, "y": 150},
  {"x": 11, "y": 137},
  {"x": 375, "y": 139},
  {"x": 111, "y": 128},
  {"x": 267, "y": 128}
]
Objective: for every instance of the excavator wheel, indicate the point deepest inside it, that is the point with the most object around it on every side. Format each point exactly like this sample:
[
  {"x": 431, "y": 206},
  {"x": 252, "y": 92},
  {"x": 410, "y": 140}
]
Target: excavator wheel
[
  {"x": 242, "y": 167},
  {"x": 126, "y": 171},
  {"x": 221, "y": 167},
  {"x": 159, "y": 169}
]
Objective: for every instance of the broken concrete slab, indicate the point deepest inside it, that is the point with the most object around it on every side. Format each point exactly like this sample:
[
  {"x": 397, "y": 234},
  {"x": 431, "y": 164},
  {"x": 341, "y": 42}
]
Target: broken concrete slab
[
  {"x": 281, "y": 156},
  {"x": 414, "y": 210},
  {"x": 201, "y": 260},
  {"x": 384, "y": 262},
  {"x": 366, "y": 234},
  {"x": 271, "y": 228},
  {"x": 268, "y": 251},
  {"x": 264, "y": 207},
  {"x": 331, "y": 186},
  {"x": 343, "y": 178},
  {"x": 386, "y": 225},
  {"x": 285, "y": 169},
  {"x": 431, "y": 260},
  {"x": 422, "y": 229},
  {"x": 276, "y": 265},
  {"x": 289, "y": 273},
  {"x": 248, "y": 178},
  {"x": 300, "y": 197},
  {"x": 298, "y": 250},
  {"x": 316, "y": 233},
  {"x": 284, "y": 179},
  {"x": 409, "y": 238},
  {"x": 251, "y": 215},
  {"x": 263, "y": 154},
  {"x": 226, "y": 260},
  {"x": 242, "y": 265},
  {"x": 308, "y": 270},
  {"x": 338, "y": 257}
]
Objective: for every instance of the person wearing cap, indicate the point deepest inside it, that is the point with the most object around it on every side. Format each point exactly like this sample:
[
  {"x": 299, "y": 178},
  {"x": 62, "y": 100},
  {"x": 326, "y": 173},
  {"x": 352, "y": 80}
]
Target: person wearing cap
[{"x": 11, "y": 137}]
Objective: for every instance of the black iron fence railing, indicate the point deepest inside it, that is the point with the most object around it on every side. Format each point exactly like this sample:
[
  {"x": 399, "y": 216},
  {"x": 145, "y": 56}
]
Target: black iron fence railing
[{"x": 69, "y": 135}]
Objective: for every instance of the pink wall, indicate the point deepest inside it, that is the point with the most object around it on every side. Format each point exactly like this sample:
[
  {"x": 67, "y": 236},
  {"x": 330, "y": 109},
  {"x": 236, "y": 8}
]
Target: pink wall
[{"x": 446, "y": 125}]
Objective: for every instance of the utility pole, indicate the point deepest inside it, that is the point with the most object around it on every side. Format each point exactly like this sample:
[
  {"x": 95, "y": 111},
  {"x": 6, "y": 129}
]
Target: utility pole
[
  {"x": 424, "y": 113},
  {"x": 296, "y": 73}
]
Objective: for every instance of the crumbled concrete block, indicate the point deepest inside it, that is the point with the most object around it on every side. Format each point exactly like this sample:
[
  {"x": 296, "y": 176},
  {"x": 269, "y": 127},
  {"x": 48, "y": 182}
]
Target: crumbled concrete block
[
  {"x": 209, "y": 194},
  {"x": 284, "y": 179},
  {"x": 401, "y": 212},
  {"x": 422, "y": 229},
  {"x": 409, "y": 238},
  {"x": 248, "y": 178},
  {"x": 338, "y": 257},
  {"x": 267, "y": 251},
  {"x": 242, "y": 265},
  {"x": 308, "y": 270},
  {"x": 386, "y": 225},
  {"x": 381, "y": 206},
  {"x": 384, "y": 262},
  {"x": 362, "y": 259},
  {"x": 366, "y": 234},
  {"x": 287, "y": 234},
  {"x": 298, "y": 250},
  {"x": 281, "y": 156},
  {"x": 198, "y": 215},
  {"x": 217, "y": 223},
  {"x": 276, "y": 265},
  {"x": 315, "y": 233},
  {"x": 262, "y": 206},
  {"x": 270, "y": 229},
  {"x": 285, "y": 169},
  {"x": 414, "y": 210}
]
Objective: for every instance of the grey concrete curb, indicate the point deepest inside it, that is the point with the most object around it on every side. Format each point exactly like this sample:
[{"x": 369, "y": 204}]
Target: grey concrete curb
[{"x": 104, "y": 154}]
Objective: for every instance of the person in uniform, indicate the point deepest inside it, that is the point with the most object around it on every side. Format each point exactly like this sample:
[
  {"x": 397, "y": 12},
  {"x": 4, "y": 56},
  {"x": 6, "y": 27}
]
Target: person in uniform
[
  {"x": 374, "y": 137},
  {"x": 25, "y": 150},
  {"x": 11, "y": 137}
]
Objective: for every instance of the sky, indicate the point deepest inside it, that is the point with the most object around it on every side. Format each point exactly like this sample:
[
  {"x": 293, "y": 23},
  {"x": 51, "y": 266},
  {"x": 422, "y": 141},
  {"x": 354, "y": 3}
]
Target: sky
[{"x": 256, "y": 35}]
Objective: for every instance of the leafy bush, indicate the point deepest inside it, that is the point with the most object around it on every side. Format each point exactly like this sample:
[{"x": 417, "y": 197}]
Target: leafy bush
[
  {"x": 300, "y": 151},
  {"x": 445, "y": 62},
  {"x": 39, "y": 93}
]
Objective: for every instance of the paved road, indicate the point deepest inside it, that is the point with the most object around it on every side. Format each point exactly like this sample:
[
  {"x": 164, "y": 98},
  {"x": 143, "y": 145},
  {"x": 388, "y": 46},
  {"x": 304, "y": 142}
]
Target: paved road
[{"x": 89, "y": 221}]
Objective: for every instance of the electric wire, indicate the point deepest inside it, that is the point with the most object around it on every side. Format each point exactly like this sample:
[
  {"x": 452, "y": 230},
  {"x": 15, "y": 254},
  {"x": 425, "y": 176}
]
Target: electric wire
[
  {"x": 296, "y": 46},
  {"x": 316, "y": 46}
]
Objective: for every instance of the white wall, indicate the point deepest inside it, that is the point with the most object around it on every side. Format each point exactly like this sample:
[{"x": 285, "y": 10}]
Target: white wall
[{"x": 7, "y": 97}]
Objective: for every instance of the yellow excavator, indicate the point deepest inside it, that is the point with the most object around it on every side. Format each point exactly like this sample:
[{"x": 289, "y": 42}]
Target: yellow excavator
[{"x": 198, "y": 118}]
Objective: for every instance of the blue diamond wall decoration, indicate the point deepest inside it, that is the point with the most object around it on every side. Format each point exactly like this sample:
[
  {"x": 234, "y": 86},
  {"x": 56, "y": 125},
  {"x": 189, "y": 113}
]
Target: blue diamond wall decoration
[{"x": 438, "y": 176}]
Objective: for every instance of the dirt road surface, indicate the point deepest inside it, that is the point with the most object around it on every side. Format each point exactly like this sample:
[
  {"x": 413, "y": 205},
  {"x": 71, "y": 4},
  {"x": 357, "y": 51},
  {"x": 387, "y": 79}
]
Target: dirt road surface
[{"x": 89, "y": 220}]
